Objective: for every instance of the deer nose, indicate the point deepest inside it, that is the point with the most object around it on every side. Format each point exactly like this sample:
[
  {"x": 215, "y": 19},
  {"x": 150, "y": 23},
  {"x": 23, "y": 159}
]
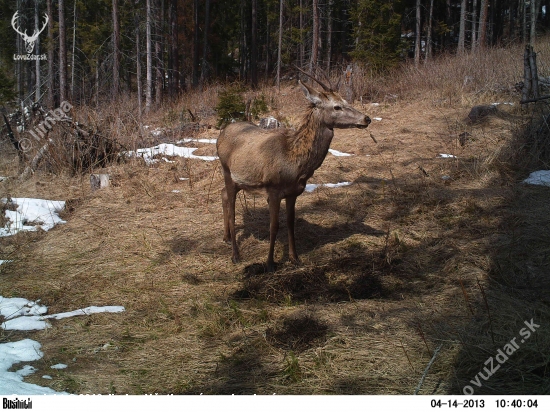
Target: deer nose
[{"x": 367, "y": 120}]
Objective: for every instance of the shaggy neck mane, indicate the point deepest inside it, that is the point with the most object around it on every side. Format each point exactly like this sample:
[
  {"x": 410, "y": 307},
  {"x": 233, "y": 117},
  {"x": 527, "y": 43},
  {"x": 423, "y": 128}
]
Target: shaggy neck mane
[{"x": 305, "y": 143}]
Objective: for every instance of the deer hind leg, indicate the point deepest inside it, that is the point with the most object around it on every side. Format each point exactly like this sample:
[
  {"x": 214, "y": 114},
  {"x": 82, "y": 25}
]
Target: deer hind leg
[
  {"x": 274, "y": 206},
  {"x": 290, "y": 219}
]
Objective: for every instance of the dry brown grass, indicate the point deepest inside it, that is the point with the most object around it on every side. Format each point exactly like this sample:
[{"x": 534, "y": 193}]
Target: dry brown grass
[{"x": 393, "y": 266}]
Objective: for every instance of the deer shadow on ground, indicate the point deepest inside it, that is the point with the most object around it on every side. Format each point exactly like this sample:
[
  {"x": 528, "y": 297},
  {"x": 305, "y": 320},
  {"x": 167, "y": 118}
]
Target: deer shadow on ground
[{"x": 309, "y": 235}]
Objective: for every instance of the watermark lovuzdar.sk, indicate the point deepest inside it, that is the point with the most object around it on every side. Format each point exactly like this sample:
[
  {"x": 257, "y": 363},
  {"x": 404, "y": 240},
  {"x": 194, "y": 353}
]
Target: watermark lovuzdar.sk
[
  {"x": 39, "y": 132},
  {"x": 501, "y": 357}
]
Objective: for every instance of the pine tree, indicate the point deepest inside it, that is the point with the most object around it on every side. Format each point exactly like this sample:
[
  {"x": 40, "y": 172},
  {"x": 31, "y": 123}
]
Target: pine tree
[{"x": 377, "y": 32}]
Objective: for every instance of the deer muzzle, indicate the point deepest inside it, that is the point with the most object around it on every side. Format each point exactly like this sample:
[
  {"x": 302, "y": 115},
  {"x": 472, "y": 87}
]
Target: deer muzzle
[{"x": 365, "y": 124}]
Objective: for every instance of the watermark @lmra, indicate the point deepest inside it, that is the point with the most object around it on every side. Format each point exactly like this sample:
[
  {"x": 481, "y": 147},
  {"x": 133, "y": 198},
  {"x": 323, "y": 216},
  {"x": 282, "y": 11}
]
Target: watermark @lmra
[{"x": 40, "y": 131}]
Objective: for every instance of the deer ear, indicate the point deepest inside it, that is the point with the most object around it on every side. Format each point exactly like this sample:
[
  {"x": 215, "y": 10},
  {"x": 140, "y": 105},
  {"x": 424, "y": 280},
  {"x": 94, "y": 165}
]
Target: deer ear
[{"x": 311, "y": 94}]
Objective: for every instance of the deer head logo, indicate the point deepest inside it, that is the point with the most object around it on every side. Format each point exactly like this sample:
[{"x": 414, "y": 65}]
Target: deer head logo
[{"x": 29, "y": 40}]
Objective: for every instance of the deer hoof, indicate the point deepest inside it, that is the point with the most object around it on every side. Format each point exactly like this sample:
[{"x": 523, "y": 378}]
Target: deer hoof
[
  {"x": 296, "y": 260},
  {"x": 235, "y": 259},
  {"x": 270, "y": 267}
]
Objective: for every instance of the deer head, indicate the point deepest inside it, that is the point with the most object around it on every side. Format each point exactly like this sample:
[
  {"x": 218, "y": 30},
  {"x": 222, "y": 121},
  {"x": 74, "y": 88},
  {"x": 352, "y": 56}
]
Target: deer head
[
  {"x": 29, "y": 40},
  {"x": 335, "y": 112}
]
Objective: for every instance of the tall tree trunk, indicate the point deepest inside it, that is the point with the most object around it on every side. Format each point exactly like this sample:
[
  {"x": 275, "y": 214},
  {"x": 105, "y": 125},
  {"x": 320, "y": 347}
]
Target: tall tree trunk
[
  {"x": 159, "y": 80},
  {"x": 329, "y": 34},
  {"x": 19, "y": 63},
  {"x": 418, "y": 38},
  {"x": 116, "y": 51},
  {"x": 149, "y": 51},
  {"x": 280, "y": 46},
  {"x": 267, "y": 47},
  {"x": 37, "y": 52},
  {"x": 170, "y": 62},
  {"x": 62, "y": 53},
  {"x": 429, "y": 34},
  {"x": 533, "y": 31},
  {"x": 173, "y": 62},
  {"x": 462, "y": 30},
  {"x": 97, "y": 82},
  {"x": 243, "y": 42},
  {"x": 138, "y": 67},
  {"x": 301, "y": 24},
  {"x": 73, "y": 53},
  {"x": 195, "y": 43},
  {"x": 449, "y": 22},
  {"x": 51, "y": 53},
  {"x": 315, "y": 37},
  {"x": 179, "y": 79},
  {"x": 204, "y": 68},
  {"x": 524, "y": 20},
  {"x": 474, "y": 26},
  {"x": 254, "y": 46},
  {"x": 483, "y": 24}
]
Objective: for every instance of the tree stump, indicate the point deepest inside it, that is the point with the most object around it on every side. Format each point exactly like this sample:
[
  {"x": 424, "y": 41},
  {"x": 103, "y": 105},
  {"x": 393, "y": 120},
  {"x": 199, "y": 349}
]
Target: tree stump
[{"x": 99, "y": 181}]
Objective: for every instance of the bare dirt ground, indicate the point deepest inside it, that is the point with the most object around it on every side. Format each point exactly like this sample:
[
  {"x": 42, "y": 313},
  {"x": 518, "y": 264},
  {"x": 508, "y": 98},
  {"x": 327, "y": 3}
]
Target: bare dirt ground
[{"x": 408, "y": 258}]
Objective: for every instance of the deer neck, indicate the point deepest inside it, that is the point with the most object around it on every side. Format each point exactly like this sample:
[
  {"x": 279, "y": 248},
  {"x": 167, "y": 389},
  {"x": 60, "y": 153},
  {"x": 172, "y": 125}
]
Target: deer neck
[{"x": 309, "y": 146}]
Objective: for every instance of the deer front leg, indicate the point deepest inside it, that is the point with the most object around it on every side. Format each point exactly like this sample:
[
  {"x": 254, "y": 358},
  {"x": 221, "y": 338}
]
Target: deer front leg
[
  {"x": 231, "y": 193},
  {"x": 290, "y": 219},
  {"x": 226, "y": 232},
  {"x": 274, "y": 206}
]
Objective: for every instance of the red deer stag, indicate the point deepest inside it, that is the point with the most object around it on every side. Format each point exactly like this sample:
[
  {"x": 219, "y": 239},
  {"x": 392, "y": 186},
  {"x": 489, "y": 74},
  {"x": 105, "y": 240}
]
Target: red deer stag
[{"x": 280, "y": 161}]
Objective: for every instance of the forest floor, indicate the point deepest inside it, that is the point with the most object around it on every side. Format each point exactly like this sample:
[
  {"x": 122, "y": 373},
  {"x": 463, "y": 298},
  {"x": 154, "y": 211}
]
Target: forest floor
[{"x": 420, "y": 252}]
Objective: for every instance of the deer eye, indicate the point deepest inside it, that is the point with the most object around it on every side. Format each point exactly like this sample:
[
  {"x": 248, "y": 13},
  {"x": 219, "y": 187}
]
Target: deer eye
[{"x": 337, "y": 107}]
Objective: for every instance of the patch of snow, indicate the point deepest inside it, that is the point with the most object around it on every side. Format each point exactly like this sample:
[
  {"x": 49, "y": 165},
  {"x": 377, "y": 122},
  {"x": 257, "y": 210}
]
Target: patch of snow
[
  {"x": 446, "y": 156},
  {"x": 22, "y": 314},
  {"x": 2, "y": 178},
  {"x": 506, "y": 103},
  {"x": 5, "y": 261},
  {"x": 269, "y": 123},
  {"x": 375, "y": 104},
  {"x": 86, "y": 311},
  {"x": 188, "y": 140},
  {"x": 378, "y": 119},
  {"x": 43, "y": 213},
  {"x": 11, "y": 353},
  {"x": 168, "y": 149},
  {"x": 27, "y": 370},
  {"x": 312, "y": 186},
  {"x": 184, "y": 178},
  {"x": 337, "y": 153},
  {"x": 14, "y": 307},
  {"x": 176, "y": 191},
  {"x": 157, "y": 132},
  {"x": 540, "y": 177}
]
